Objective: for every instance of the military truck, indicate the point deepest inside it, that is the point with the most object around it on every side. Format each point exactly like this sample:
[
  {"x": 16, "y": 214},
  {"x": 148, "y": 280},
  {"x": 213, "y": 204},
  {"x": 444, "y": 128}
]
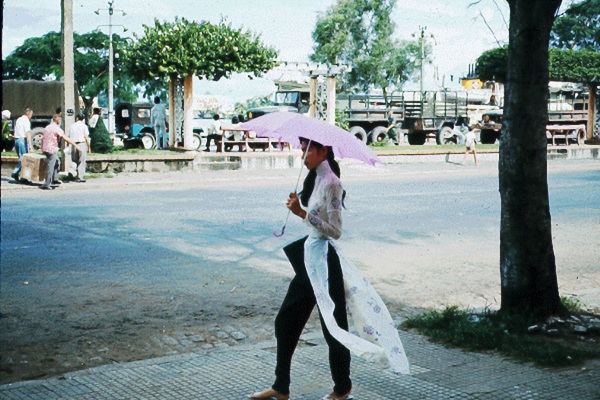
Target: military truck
[
  {"x": 568, "y": 107},
  {"x": 43, "y": 97},
  {"x": 421, "y": 115}
]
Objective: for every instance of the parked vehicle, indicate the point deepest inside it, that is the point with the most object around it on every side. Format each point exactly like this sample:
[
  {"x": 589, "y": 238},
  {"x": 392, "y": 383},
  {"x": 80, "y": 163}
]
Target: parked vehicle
[
  {"x": 133, "y": 126},
  {"x": 421, "y": 115},
  {"x": 567, "y": 106},
  {"x": 43, "y": 97}
]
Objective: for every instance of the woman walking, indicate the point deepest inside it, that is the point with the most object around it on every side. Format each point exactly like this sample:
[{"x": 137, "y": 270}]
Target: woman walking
[{"x": 326, "y": 279}]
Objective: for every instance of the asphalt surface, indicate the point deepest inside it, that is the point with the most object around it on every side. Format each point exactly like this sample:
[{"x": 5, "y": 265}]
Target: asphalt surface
[{"x": 184, "y": 254}]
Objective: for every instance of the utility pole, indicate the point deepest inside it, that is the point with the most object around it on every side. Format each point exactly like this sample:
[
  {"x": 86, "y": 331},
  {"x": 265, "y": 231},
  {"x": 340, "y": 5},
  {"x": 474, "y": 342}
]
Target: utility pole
[
  {"x": 111, "y": 10},
  {"x": 68, "y": 73},
  {"x": 422, "y": 28}
]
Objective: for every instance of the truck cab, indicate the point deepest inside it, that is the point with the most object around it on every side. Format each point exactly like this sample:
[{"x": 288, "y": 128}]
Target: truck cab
[{"x": 290, "y": 97}]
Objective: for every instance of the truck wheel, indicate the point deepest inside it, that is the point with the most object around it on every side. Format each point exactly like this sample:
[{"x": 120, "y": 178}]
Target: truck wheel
[
  {"x": 378, "y": 134},
  {"x": 580, "y": 136},
  {"x": 36, "y": 138},
  {"x": 488, "y": 136},
  {"x": 359, "y": 133},
  {"x": 445, "y": 136},
  {"x": 148, "y": 141},
  {"x": 417, "y": 138},
  {"x": 196, "y": 141}
]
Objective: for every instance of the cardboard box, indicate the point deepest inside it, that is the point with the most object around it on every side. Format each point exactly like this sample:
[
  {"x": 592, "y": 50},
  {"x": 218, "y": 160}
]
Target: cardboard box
[{"x": 33, "y": 167}]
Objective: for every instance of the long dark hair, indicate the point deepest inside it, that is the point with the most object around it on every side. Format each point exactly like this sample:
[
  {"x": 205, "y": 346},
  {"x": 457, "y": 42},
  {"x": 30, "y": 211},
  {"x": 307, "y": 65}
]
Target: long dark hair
[{"x": 309, "y": 181}]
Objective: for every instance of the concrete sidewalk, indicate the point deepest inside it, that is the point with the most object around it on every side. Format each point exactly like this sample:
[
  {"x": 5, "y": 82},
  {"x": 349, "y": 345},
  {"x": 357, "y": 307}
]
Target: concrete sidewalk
[{"x": 234, "y": 372}]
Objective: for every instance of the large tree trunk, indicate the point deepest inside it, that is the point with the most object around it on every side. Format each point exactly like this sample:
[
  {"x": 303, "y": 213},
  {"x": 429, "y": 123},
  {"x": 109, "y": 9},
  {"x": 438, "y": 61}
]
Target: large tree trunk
[
  {"x": 188, "y": 111},
  {"x": 527, "y": 264}
]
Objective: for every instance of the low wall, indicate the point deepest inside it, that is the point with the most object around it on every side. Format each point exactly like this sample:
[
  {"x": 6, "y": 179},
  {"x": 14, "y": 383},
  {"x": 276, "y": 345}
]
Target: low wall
[{"x": 194, "y": 161}]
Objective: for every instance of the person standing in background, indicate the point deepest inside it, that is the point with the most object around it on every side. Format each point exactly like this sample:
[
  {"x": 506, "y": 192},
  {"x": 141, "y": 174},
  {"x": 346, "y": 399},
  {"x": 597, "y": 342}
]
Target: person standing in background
[
  {"x": 158, "y": 116},
  {"x": 391, "y": 131},
  {"x": 215, "y": 133},
  {"x": 6, "y": 134},
  {"x": 80, "y": 134},
  {"x": 22, "y": 137}
]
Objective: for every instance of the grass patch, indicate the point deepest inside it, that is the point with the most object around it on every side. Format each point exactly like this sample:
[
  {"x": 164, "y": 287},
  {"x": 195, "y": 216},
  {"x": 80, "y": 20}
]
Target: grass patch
[
  {"x": 488, "y": 331},
  {"x": 428, "y": 147},
  {"x": 572, "y": 304}
]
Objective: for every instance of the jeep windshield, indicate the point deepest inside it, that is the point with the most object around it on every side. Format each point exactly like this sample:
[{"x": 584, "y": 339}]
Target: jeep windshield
[{"x": 285, "y": 99}]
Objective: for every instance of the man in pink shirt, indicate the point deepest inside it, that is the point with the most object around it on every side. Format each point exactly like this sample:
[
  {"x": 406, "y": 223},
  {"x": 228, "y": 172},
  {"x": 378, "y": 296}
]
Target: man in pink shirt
[{"x": 52, "y": 134}]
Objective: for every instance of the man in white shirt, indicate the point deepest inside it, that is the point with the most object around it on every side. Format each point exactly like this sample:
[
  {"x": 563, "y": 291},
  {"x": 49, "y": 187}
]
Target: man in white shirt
[
  {"x": 22, "y": 137},
  {"x": 158, "y": 115},
  {"x": 80, "y": 134},
  {"x": 214, "y": 133}
]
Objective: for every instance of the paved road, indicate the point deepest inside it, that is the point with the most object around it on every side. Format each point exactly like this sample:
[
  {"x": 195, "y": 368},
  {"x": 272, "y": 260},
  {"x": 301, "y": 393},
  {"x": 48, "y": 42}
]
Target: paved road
[{"x": 146, "y": 265}]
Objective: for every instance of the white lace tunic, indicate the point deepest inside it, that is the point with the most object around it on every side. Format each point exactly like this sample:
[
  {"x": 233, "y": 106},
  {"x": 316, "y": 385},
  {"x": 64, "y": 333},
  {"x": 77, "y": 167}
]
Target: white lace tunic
[{"x": 373, "y": 334}]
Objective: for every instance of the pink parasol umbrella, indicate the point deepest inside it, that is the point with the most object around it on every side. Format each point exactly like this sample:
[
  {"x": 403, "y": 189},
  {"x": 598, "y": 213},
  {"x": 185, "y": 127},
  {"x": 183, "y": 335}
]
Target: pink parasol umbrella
[{"x": 290, "y": 127}]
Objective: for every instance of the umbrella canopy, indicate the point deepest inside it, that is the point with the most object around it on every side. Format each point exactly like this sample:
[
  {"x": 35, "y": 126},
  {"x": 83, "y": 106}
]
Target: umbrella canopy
[{"x": 290, "y": 127}]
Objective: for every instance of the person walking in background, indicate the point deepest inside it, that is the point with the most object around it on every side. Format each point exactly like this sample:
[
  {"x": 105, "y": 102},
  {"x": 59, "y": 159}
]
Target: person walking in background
[
  {"x": 80, "y": 134},
  {"x": 470, "y": 143},
  {"x": 391, "y": 131},
  {"x": 158, "y": 116},
  {"x": 52, "y": 133},
  {"x": 22, "y": 137},
  {"x": 214, "y": 133}
]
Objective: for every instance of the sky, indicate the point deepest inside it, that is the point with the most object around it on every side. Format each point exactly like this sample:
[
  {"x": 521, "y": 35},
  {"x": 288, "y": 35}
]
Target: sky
[{"x": 457, "y": 29}]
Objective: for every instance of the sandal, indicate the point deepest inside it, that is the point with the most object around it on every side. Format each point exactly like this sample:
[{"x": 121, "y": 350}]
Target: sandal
[
  {"x": 268, "y": 394},
  {"x": 335, "y": 396}
]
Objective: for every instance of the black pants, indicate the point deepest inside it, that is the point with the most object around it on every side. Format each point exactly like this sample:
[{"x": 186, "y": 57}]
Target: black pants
[{"x": 294, "y": 313}]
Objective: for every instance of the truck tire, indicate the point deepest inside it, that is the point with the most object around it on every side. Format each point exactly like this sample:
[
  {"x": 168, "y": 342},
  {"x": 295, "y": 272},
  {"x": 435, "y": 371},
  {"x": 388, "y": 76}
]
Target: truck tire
[
  {"x": 196, "y": 141},
  {"x": 359, "y": 133},
  {"x": 445, "y": 136},
  {"x": 378, "y": 134},
  {"x": 148, "y": 141},
  {"x": 417, "y": 138},
  {"x": 580, "y": 136},
  {"x": 36, "y": 138},
  {"x": 488, "y": 136}
]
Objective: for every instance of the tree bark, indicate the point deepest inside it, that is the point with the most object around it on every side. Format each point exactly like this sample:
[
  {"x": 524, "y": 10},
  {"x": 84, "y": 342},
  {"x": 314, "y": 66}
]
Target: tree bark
[
  {"x": 527, "y": 263},
  {"x": 172, "y": 132},
  {"x": 188, "y": 111}
]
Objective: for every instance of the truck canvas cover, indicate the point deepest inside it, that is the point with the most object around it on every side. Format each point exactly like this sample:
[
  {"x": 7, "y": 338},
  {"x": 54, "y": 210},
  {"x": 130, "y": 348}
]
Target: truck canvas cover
[{"x": 43, "y": 97}]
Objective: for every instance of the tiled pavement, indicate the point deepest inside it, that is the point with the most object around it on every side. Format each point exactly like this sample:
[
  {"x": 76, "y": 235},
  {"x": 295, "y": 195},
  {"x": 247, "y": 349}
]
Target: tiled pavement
[{"x": 232, "y": 373}]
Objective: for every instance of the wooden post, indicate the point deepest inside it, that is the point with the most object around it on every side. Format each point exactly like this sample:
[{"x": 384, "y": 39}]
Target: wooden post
[
  {"x": 188, "y": 112},
  {"x": 312, "y": 107},
  {"x": 172, "y": 132},
  {"x": 68, "y": 75},
  {"x": 331, "y": 99},
  {"x": 591, "y": 111}
]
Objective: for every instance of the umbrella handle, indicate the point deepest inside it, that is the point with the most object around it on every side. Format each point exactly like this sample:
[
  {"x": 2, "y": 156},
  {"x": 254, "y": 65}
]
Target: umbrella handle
[
  {"x": 284, "y": 225},
  {"x": 295, "y": 191}
]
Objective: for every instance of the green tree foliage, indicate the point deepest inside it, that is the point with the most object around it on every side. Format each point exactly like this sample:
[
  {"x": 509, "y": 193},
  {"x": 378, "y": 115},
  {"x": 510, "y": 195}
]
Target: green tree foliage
[
  {"x": 358, "y": 34},
  {"x": 491, "y": 65},
  {"x": 203, "y": 49},
  {"x": 575, "y": 66},
  {"x": 578, "y": 28},
  {"x": 40, "y": 58},
  {"x": 564, "y": 65}
]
